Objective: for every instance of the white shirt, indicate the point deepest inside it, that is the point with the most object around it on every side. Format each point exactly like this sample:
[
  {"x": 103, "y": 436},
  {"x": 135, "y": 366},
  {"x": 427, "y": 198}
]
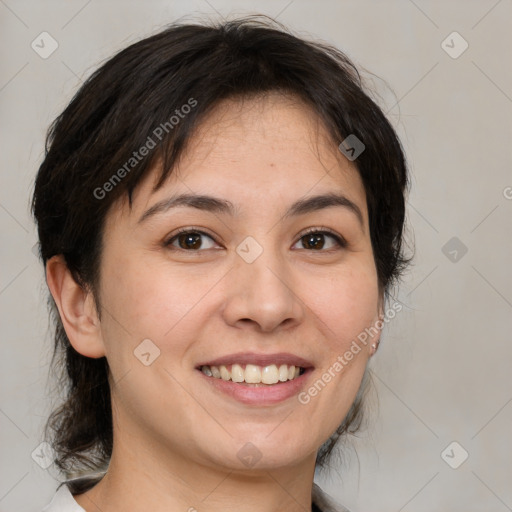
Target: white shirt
[{"x": 63, "y": 501}]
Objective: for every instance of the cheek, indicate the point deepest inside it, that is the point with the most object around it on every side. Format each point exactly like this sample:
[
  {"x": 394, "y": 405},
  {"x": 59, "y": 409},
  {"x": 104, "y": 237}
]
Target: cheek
[
  {"x": 346, "y": 303},
  {"x": 151, "y": 299}
]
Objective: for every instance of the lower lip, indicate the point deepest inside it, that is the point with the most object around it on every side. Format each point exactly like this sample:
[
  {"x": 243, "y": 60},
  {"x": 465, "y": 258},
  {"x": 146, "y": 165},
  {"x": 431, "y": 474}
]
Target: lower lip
[{"x": 256, "y": 394}]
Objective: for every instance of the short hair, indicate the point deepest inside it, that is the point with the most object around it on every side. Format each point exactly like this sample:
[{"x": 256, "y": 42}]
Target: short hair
[{"x": 134, "y": 98}]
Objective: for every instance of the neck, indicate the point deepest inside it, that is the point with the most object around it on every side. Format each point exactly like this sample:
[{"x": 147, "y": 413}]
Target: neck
[{"x": 141, "y": 478}]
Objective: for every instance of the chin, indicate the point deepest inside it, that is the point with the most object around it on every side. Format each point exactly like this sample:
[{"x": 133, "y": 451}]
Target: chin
[{"x": 267, "y": 450}]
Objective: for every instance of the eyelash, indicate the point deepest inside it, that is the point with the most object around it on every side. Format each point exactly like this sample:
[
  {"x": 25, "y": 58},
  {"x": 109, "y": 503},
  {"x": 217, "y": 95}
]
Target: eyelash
[{"x": 340, "y": 241}]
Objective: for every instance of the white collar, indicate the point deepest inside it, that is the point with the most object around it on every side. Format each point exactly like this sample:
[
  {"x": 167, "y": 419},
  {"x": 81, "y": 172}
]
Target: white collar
[{"x": 63, "y": 501}]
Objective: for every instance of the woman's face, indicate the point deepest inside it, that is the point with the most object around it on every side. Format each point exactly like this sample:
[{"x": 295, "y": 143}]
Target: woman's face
[{"x": 247, "y": 284}]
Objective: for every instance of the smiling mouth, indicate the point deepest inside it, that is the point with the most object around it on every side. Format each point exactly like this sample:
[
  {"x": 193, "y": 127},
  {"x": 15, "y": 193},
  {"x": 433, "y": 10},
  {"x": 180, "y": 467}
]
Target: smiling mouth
[{"x": 253, "y": 374}]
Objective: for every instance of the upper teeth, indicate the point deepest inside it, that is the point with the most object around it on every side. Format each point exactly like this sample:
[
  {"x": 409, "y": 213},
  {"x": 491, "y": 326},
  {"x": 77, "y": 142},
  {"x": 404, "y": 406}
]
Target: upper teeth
[{"x": 253, "y": 374}]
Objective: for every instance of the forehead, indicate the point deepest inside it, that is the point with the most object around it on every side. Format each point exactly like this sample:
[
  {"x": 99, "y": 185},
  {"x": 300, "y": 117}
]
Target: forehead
[{"x": 272, "y": 146}]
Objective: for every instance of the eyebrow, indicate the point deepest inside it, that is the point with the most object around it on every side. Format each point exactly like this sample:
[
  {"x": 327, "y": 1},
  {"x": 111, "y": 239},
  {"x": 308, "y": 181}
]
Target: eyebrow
[{"x": 223, "y": 206}]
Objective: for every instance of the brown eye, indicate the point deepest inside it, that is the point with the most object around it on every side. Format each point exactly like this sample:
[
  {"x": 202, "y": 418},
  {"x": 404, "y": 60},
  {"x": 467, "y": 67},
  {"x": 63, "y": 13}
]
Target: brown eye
[
  {"x": 315, "y": 240},
  {"x": 188, "y": 240}
]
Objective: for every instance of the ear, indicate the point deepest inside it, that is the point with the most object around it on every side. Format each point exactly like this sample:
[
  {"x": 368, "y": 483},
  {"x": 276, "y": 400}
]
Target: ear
[
  {"x": 76, "y": 309},
  {"x": 378, "y": 324}
]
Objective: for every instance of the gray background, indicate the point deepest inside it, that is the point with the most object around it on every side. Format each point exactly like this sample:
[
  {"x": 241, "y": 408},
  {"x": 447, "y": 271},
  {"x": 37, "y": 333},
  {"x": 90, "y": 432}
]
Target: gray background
[{"x": 442, "y": 372}]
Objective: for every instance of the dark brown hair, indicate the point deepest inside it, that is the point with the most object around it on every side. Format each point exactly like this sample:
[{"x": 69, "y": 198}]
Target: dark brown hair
[{"x": 132, "y": 98}]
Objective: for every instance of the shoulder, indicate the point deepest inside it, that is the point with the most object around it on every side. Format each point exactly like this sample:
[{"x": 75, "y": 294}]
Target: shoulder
[
  {"x": 63, "y": 501},
  {"x": 324, "y": 503}
]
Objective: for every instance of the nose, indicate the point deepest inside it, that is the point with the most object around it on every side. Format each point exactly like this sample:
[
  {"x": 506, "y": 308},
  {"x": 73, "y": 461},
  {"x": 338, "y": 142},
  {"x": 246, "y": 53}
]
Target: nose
[{"x": 262, "y": 295}]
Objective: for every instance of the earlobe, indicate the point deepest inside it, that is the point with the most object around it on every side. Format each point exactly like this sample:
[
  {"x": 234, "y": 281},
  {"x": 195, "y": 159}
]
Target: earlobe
[
  {"x": 76, "y": 309},
  {"x": 379, "y": 324}
]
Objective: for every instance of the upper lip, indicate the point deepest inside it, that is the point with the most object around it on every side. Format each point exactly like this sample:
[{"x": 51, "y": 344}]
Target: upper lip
[{"x": 258, "y": 359}]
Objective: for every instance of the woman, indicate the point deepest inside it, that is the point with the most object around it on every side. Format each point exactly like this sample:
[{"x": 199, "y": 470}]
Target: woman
[{"x": 220, "y": 213}]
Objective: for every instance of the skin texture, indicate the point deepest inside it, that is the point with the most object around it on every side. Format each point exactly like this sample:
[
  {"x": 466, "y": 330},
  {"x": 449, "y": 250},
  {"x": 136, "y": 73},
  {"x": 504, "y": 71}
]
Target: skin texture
[{"x": 175, "y": 437}]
